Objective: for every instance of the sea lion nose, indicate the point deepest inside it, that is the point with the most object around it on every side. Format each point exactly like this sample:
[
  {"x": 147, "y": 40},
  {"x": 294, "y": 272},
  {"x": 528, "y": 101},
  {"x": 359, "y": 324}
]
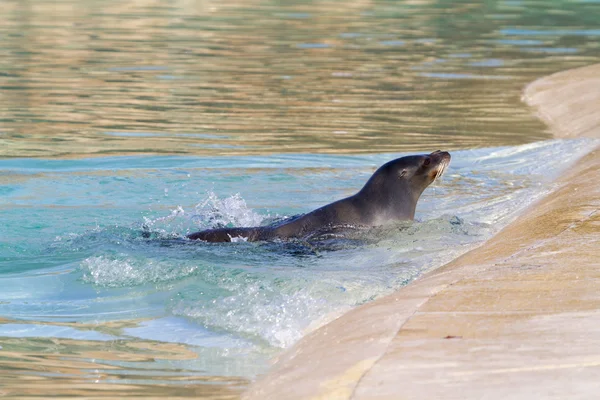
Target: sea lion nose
[{"x": 441, "y": 155}]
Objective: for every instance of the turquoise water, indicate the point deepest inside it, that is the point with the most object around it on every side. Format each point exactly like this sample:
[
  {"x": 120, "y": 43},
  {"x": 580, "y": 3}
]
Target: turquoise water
[
  {"x": 241, "y": 113},
  {"x": 74, "y": 260}
]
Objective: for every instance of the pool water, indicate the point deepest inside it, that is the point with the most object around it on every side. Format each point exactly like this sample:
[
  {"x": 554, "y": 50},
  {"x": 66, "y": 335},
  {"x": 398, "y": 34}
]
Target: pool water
[
  {"x": 126, "y": 125},
  {"x": 86, "y": 78},
  {"x": 75, "y": 259}
]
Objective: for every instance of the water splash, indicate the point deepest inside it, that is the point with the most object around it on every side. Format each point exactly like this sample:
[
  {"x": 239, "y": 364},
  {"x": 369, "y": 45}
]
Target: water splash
[
  {"x": 212, "y": 212},
  {"x": 230, "y": 211}
]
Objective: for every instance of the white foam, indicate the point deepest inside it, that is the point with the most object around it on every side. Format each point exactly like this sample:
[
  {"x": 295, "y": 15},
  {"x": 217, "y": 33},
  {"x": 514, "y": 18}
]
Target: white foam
[
  {"x": 230, "y": 211},
  {"x": 127, "y": 271}
]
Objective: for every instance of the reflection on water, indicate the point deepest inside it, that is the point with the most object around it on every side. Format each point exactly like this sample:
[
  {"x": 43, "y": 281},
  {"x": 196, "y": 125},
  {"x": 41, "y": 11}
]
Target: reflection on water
[
  {"x": 256, "y": 77},
  {"x": 60, "y": 367}
]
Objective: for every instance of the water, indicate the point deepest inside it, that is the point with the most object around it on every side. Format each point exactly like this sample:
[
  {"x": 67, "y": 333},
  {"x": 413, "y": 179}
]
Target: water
[
  {"x": 82, "y": 77},
  {"x": 197, "y": 114},
  {"x": 75, "y": 265}
]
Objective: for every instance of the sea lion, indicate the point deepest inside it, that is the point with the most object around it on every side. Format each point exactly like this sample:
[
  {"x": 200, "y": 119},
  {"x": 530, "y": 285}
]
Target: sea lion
[{"x": 390, "y": 195}]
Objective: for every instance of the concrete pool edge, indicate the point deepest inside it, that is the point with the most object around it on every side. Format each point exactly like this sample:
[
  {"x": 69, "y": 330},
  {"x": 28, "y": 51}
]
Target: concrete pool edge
[{"x": 517, "y": 317}]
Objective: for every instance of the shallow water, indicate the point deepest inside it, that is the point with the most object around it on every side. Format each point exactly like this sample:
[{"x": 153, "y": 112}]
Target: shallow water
[
  {"x": 247, "y": 111},
  {"x": 75, "y": 266}
]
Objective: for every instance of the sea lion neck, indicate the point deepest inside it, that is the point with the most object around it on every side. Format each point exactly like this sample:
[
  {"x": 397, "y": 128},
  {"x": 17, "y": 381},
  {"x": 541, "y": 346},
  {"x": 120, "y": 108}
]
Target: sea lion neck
[{"x": 390, "y": 196}]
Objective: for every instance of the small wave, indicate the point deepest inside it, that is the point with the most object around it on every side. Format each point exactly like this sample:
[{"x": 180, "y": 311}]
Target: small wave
[
  {"x": 118, "y": 272},
  {"x": 117, "y": 238},
  {"x": 277, "y": 305},
  {"x": 277, "y": 311},
  {"x": 260, "y": 311}
]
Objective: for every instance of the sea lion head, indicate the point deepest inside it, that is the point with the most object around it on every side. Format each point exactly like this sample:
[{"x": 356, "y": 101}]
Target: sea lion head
[
  {"x": 397, "y": 185},
  {"x": 422, "y": 170}
]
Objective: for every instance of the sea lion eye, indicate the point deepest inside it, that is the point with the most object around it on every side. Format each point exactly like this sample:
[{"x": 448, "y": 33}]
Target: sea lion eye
[{"x": 427, "y": 161}]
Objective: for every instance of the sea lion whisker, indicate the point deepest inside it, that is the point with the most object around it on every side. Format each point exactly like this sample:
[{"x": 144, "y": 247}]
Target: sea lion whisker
[
  {"x": 446, "y": 164},
  {"x": 437, "y": 173},
  {"x": 440, "y": 171}
]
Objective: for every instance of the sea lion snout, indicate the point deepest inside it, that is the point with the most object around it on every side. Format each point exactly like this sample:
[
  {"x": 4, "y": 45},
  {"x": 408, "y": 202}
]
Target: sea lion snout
[
  {"x": 440, "y": 160},
  {"x": 440, "y": 153}
]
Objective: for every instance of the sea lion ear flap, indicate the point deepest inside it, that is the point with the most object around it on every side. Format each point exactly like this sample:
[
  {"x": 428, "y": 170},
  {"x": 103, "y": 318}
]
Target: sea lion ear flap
[{"x": 403, "y": 173}]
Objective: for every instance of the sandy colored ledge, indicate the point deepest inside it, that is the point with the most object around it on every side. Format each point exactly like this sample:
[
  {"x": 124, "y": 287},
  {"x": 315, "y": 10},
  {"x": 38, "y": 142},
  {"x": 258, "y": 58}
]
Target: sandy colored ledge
[
  {"x": 568, "y": 102},
  {"x": 517, "y": 318}
]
